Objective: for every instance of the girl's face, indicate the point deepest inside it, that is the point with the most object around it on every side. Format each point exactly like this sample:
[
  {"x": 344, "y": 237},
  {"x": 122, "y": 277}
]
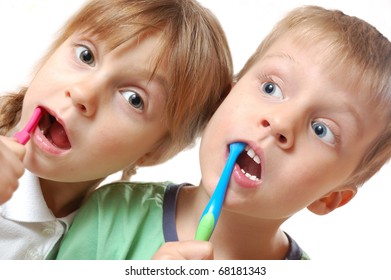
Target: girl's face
[
  {"x": 305, "y": 132},
  {"x": 102, "y": 110}
]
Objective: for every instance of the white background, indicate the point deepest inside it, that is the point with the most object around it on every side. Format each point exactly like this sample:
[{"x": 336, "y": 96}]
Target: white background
[{"x": 360, "y": 230}]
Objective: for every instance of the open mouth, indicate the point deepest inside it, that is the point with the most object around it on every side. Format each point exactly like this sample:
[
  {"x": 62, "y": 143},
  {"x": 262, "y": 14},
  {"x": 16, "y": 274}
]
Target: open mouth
[
  {"x": 250, "y": 164},
  {"x": 54, "y": 131}
]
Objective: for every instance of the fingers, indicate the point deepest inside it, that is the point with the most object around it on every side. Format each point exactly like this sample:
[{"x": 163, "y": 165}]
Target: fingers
[
  {"x": 12, "y": 145},
  {"x": 12, "y": 168},
  {"x": 185, "y": 250}
]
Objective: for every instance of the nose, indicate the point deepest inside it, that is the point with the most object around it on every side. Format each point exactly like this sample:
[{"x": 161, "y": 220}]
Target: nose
[
  {"x": 84, "y": 96},
  {"x": 281, "y": 128}
]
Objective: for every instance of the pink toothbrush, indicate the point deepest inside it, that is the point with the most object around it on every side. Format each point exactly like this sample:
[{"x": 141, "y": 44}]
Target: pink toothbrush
[{"x": 23, "y": 136}]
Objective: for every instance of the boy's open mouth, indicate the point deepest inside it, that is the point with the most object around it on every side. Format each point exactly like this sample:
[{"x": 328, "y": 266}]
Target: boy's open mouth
[
  {"x": 250, "y": 164},
  {"x": 54, "y": 131}
]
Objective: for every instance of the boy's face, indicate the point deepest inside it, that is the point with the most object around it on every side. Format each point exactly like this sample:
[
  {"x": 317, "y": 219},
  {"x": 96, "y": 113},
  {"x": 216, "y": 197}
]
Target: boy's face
[
  {"x": 307, "y": 130},
  {"x": 102, "y": 111}
]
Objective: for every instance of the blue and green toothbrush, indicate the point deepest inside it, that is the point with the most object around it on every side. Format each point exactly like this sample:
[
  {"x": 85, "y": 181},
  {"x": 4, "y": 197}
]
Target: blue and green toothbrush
[{"x": 212, "y": 210}]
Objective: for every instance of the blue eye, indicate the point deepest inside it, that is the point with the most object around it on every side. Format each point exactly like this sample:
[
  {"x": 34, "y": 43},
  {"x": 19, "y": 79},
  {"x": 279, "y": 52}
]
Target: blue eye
[
  {"x": 85, "y": 55},
  {"x": 323, "y": 132},
  {"x": 272, "y": 89},
  {"x": 134, "y": 99}
]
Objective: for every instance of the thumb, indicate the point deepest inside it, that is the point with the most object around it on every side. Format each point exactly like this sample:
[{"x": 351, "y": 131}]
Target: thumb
[
  {"x": 200, "y": 250},
  {"x": 12, "y": 144}
]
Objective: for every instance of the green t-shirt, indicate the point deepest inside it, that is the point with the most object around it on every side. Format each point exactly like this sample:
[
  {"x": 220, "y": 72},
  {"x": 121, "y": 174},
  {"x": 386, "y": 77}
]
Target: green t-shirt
[
  {"x": 116, "y": 222},
  {"x": 129, "y": 220}
]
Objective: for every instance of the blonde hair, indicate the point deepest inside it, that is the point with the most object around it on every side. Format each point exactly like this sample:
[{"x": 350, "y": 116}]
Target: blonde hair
[
  {"x": 194, "y": 49},
  {"x": 356, "y": 49}
]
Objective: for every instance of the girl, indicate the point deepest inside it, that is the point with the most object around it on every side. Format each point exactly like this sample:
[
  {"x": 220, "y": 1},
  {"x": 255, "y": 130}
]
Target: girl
[{"x": 124, "y": 85}]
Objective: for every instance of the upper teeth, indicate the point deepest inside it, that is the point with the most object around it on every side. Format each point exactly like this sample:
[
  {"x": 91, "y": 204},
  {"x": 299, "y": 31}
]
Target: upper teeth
[
  {"x": 256, "y": 159},
  {"x": 251, "y": 154}
]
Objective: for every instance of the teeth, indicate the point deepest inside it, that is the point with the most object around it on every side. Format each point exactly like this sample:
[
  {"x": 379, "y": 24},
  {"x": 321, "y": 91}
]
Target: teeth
[
  {"x": 251, "y": 177},
  {"x": 256, "y": 159},
  {"x": 251, "y": 154}
]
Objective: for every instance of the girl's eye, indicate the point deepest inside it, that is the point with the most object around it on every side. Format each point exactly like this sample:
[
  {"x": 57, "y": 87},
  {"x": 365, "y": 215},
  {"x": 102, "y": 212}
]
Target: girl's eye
[
  {"x": 272, "y": 89},
  {"x": 323, "y": 132},
  {"x": 134, "y": 99},
  {"x": 85, "y": 55}
]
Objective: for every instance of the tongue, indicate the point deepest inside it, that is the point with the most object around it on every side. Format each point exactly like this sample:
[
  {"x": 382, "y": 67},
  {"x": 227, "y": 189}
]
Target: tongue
[
  {"x": 58, "y": 136},
  {"x": 248, "y": 165}
]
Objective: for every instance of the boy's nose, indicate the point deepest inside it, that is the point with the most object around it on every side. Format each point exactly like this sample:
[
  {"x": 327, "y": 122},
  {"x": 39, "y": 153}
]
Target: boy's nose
[{"x": 281, "y": 128}]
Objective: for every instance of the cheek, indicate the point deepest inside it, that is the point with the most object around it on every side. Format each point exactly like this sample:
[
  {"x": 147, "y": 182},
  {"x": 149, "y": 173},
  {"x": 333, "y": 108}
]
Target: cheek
[
  {"x": 307, "y": 172},
  {"x": 30, "y": 102},
  {"x": 222, "y": 123},
  {"x": 114, "y": 156},
  {"x": 211, "y": 165},
  {"x": 129, "y": 145},
  {"x": 312, "y": 183},
  {"x": 42, "y": 87}
]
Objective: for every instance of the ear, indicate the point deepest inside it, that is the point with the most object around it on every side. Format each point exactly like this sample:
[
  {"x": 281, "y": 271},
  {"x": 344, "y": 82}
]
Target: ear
[{"x": 332, "y": 200}]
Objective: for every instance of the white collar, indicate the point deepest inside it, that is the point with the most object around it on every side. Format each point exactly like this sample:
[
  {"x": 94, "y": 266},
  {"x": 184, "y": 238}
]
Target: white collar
[{"x": 28, "y": 204}]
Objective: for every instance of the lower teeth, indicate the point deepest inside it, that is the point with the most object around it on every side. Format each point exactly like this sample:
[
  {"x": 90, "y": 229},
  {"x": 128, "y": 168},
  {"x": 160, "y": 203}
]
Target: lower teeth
[{"x": 251, "y": 177}]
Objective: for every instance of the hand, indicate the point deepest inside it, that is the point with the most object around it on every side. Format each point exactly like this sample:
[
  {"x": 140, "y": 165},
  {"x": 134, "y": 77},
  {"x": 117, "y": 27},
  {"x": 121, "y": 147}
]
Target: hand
[
  {"x": 185, "y": 250},
  {"x": 11, "y": 166}
]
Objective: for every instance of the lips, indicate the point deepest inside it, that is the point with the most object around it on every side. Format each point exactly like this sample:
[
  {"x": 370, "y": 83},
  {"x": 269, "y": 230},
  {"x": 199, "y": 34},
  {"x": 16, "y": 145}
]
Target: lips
[
  {"x": 54, "y": 131},
  {"x": 250, "y": 164}
]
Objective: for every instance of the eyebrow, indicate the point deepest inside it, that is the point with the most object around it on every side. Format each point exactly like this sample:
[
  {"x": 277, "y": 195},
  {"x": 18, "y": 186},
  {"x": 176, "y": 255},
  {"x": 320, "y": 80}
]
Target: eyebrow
[
  {"x": 280, "y": 55},
  {"x": 159, "y": 78},
  {"x": 356, "y": 117},
  {"x": 151, "y": 73},
  {"x": 154, "y": 77},
  {"x": 155, "y": 80}
]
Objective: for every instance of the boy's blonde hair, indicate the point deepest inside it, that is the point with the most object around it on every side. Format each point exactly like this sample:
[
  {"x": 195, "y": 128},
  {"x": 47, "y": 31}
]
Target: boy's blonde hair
[
  {"x": 354, "y": 48},
  {"x": 194, "y": 48}
]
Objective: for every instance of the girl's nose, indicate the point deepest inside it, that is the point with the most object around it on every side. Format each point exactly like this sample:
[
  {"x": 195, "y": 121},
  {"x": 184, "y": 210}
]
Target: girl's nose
[{"x": 84, "y": 97}]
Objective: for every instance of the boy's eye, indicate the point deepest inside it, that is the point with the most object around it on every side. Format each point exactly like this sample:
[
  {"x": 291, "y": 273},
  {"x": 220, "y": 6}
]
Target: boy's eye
[
  {"x": 85, "y": 55},
  {"x": 323, "y": 132},
  {"x": 134, "y": 99},
  {"x": 272, "y": 89}
]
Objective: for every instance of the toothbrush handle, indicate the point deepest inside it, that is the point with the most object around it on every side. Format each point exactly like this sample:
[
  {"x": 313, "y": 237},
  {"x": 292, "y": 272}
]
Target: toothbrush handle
[
  {"x": 205, "y": 227},
  {"x": 23, "y": 136},
  {"x": 216, "y": 201},
  {"x": 212, "y": 210}
]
